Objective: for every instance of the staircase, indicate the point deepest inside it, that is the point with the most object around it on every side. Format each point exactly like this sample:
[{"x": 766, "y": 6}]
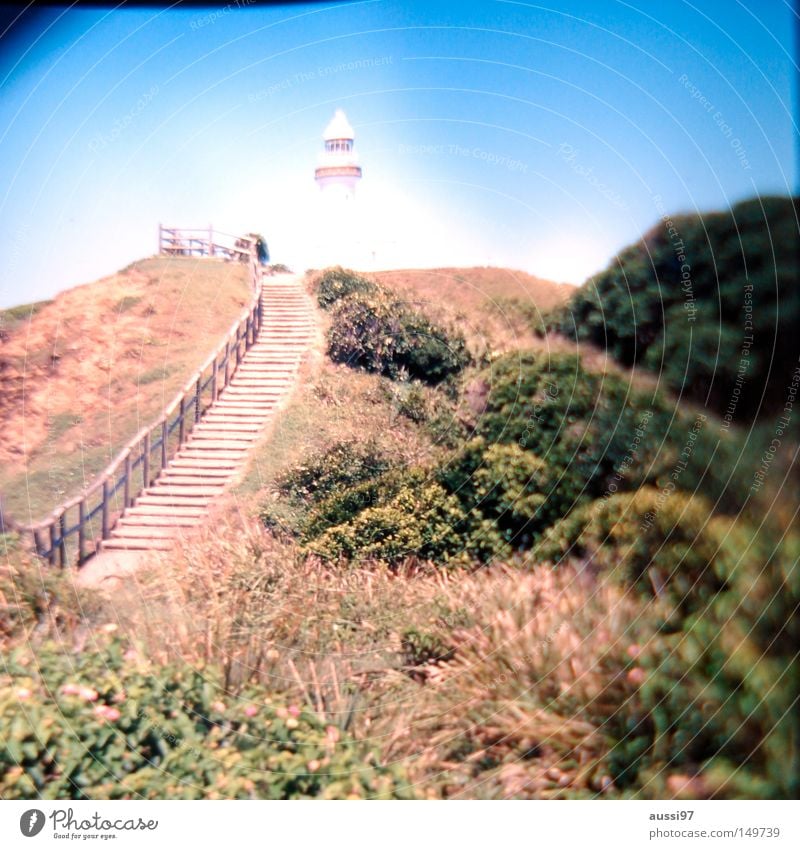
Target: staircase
[{"x": 218, "y": 445}]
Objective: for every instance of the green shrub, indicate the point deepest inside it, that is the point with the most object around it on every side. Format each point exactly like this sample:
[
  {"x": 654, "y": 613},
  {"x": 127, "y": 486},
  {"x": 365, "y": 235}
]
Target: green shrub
[
  {"x": 344, "y": 464},
  {"x": 337, "y": 283},
  {"x": 420, "y": 518},
  {"x": 665, "y": 543},
  {"x": 585, "y": 424},
  {"x": 96, "y": 725},
  {"x": 723, "y": 691},
  {"x": 691, "y": 329},
  {"x": 414, "y": 405},
  {"x": 509, "y": 495},
  {"x": 380, "y": 334},
  {"x": 719, "y": 679}
]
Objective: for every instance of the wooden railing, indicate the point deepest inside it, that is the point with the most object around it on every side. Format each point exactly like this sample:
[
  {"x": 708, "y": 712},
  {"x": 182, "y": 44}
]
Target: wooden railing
[
  {"x": 182, "y": 241},
  {"x": 74, "y": 531}
]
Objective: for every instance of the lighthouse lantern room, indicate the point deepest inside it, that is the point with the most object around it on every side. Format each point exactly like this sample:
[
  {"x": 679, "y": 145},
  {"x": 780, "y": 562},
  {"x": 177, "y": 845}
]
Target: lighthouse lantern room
[{"x": 338, "y": 171}]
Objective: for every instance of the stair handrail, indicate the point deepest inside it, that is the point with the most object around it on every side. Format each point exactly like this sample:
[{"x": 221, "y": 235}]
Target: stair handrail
[{"x": 50, "y": 535}]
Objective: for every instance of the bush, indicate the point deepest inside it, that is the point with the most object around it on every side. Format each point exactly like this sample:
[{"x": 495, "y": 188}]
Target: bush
[
  {"x": 379, "y": 334},
  {"x": 344, "y": 464},
  {"x": 585, "y": 424},
  {"x": 719, "y": 682},
  {"x": 509, "y": 494},
  {"x": 663, "y": 543},
  {"x": 723, "y": 691},
  {"x": 97, "y": 725},
  {"x": 413, "y": 516},
  {"x": 337, "y": 283},
  {"x": 643, "y": 309}
]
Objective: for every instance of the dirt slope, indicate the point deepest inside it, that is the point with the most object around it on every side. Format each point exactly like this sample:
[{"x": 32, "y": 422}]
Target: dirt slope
[{"x": 81, "y": 374}]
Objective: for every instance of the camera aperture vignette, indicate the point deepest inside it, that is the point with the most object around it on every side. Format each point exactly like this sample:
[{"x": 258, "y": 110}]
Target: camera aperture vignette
[{"x": 400, "y": 402}]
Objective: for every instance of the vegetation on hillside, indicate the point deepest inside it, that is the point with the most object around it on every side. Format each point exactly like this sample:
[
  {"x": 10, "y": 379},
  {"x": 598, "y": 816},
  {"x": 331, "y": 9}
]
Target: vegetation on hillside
[
  {"x": 709, "y": 302},
  {"x": 80, "y": 375},
  {"x": 514, "y": 574},
  {"x": 373, "y": 329}
]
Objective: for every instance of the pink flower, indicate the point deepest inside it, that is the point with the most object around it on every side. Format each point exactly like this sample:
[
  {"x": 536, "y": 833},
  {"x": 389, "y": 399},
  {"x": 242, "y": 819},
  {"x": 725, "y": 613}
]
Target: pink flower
[
  {"x": 88, "y": 694},
  {"x": 281, "y": 712},
  {"x": 130, "y": 654},
  {"x": 332, "y": 733},
  {"x": 636, "y": 675},
  {"x": 111, "y": 714},
  {"x": 634, "y": 650},
  {"x": 71, "y": 689},
  {"x": 294, "y": 710},
  {"x": 314, "y": 765},
  {"x": 250, "y": 710},
  {"x": 109, "y": 627},
  {"x": 23, "y": 693},
  {"x": 219, "y": 707}
]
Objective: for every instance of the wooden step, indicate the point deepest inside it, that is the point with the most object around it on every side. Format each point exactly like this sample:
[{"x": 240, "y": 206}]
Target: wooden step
[
  {"x": 170, "y": 502},
  {"x": 242, "y": 417},
  {"x": 229, "y": 423},
  {"x": 217, "y": 445},
  {"x": 247, "y": 405},
  {"x": 141, "y": 532},
  {"x": 134, "y": 544},
  {"x": 179, "y": 474},
  {"x": 232, "y": 458},
  {"x": 204, "y": 491},
  {"x": 202, "y": 463},
  {"x": 161, "y": 510},
  {"x": 157, "y": 520},
  {"x": 220, "y": 433}
]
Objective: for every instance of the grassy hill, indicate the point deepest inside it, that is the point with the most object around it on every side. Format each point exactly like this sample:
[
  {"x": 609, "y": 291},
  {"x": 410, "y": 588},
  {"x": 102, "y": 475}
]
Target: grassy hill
[
  {"x": 476, "y": 559},
  {"x": 81, "y": 374}
]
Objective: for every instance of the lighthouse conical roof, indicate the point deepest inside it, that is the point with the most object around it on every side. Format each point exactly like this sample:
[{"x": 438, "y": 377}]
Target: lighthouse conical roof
[{"x": 339, "y": 127}]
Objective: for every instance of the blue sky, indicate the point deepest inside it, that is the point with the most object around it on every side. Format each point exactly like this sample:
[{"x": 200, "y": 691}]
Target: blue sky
[{"x": 539, "y": 137}]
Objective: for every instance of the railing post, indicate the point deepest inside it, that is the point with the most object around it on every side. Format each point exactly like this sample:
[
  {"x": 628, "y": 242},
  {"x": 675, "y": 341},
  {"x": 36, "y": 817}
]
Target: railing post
[
  {"x": 214, "y": 380},
  {"x": 37, "y": 542},
  {"x": 51, "y": 556},
  {"x": 182, "y": 421},
  {"x": 164, "y": 435},
  {"x": 62, "y": 545},
  {"x": 197, "y": 400},
  {"x": 227, "y": 362},
  {"x": 81, "y": 531},
  {"x": 146, "y": 461},
  {"x": 104, "y": 514},
  {"x": 126, "y": 498}
]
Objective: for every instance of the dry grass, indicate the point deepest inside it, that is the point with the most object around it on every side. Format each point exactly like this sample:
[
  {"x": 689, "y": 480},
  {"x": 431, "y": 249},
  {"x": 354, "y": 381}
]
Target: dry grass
[
  {"x": 523, "y": 706},
  {"x": 495, "y": 308},
  {"x": 80, "y": 375}
]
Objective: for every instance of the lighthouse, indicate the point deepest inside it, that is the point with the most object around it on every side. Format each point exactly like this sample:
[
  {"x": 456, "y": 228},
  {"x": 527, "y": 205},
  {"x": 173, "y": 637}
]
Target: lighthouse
[
  {"x": 338, "y": 171},
  {"x": 339, "y": 227}
]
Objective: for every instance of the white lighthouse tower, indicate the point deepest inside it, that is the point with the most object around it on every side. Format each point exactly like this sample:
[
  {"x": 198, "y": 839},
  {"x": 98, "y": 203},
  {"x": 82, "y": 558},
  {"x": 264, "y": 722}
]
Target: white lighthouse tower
[
  {"x": 338, "y": 171},
  {"x": 339, "y": 225}
]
